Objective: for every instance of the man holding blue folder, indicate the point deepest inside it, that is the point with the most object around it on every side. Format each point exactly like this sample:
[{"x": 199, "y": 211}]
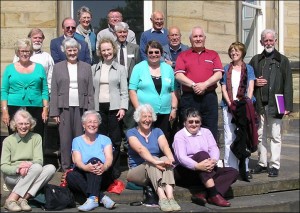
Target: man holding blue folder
[{"x": 273, "y": 76}]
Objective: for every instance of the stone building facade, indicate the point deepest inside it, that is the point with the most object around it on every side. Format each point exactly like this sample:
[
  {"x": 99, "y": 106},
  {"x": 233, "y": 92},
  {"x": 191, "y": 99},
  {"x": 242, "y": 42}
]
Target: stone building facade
[{"x": 220, "y": 19}]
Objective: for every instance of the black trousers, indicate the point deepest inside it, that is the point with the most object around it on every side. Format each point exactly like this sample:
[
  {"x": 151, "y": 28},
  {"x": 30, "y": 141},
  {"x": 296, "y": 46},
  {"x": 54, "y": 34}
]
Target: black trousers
[
  {"x": 223, "y": 177},
  {"x": 85, "y": 184},
  {"x": 111, "y": 127}
]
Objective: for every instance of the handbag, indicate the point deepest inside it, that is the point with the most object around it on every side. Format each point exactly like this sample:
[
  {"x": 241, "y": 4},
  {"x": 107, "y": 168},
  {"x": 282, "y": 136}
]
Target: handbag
[{"x": 58, "y": 197}]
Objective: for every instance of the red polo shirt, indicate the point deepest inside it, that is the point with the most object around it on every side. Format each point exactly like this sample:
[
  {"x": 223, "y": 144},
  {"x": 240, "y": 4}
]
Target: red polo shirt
[{"x": 198, "y": 66}]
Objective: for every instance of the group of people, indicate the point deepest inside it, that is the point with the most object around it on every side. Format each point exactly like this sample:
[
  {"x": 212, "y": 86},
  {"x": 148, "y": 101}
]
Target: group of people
[{"x": 159, "y": 94}]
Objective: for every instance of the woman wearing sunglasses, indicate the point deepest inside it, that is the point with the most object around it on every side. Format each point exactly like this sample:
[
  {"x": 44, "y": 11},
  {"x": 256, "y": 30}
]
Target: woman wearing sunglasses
[
  {"x": 152, "y": 81},
  {"x": 196, "y": 155}
]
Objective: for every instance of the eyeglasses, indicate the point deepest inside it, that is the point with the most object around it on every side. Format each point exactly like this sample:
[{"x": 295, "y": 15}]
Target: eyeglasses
[
  {"x": 92, "y": 122},
  {"x": 156, "y": 52},
  {"x": 175, "y": 35},
  {"x": 70, "y": 28},
  {"x": 193, "y": 121},
  {"x": 24, "y": 51},
  {"x": 23, "y": 124}
]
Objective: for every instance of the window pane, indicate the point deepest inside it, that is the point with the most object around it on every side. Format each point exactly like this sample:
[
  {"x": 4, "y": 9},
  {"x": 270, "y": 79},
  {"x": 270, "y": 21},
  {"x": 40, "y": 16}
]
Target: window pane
[{"x": 132, "y": 14}]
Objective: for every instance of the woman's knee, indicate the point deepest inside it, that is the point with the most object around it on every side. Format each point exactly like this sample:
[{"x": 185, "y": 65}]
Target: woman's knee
[
  {"x": 50, "y": 169},
  {"x": 200, "y": 156},
  {"x": 36, "y": 168}
]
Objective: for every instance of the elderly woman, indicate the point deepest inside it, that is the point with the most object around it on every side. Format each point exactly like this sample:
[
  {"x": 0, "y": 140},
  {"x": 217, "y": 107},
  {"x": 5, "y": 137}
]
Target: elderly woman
[
  {"x": 196, "y": 153},
  {"x": 152, "y": 81},
  {"x": 111, "y": 96},
  {"x": 39, "y": 56},
  {"x": 237, "y": 85},
  {"x": 92, "y": 156},
  {"x": 22, "y": 162},
  {"x": 24, "y": 84},
  {"x": 150, "y": 158},
  {"x": 71, "y": 94},
  {"x": 84, "y": 31}
]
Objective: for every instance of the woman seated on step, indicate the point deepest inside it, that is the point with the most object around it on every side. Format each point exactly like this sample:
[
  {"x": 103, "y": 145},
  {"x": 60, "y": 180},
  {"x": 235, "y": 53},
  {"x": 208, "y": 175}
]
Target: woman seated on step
[
  {"x": 196, "y": 153},
  {"x": 22, "y": 162},
  {"x": 150, "y": 158},
  {"x": 92, "y": 156}
]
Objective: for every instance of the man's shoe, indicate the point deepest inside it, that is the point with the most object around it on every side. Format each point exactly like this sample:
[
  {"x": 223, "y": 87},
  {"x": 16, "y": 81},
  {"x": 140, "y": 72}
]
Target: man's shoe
[
  {"x": 89, "y": 205},
  {"x": 199, "y": 198},
  {"x": 273, "y": 172},
  {"x": 218, "y": 200},
  {"x": 12, "y": 206},
  {"x": 107, "y": 202},
  {"x": 259, "y": 169},
  {"x": 23, "y": 203},
  {"x": 249, "y": 175}
]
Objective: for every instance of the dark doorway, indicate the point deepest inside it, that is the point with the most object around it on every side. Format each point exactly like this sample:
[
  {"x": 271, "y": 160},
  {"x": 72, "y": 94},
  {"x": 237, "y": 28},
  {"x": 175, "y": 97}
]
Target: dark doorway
[{"x": 132, "y": 12}]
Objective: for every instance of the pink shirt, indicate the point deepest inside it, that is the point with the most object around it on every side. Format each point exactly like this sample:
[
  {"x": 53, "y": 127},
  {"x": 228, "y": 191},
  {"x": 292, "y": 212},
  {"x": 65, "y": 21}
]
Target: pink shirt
[{"x": 186, "y": 145}]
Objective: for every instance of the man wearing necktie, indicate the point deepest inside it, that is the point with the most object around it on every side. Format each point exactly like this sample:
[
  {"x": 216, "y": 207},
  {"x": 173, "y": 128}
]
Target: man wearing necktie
[{"x": 128, "y": 56}]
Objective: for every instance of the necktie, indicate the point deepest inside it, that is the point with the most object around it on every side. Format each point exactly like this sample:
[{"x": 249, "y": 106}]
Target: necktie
[{"x": 122, "y": 55}]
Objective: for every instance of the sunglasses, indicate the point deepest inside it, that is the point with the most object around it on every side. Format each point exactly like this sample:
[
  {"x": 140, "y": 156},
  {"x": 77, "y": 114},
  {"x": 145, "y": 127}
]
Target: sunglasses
[
  {"x": 193, "y": 121},
  {"x": 156, "y": 52},
  {"x": 70, "y": 28}
]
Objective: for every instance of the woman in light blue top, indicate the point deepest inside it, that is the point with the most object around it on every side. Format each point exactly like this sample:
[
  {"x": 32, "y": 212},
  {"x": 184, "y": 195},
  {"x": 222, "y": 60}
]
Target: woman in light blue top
[{"x": 152, "y": 82}]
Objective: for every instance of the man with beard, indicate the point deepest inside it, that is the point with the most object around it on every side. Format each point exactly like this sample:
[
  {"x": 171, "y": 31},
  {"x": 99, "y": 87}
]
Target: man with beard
[
  {"x": 273, "y": 76},
  {"x": 39, "y": 56}
]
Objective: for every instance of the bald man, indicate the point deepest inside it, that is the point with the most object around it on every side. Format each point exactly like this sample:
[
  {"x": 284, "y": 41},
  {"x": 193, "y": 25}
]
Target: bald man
[{"x": 157, "y": 33}]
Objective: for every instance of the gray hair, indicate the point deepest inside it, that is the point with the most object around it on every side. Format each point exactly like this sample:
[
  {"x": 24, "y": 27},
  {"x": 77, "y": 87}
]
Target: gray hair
[
  {"x": 267, "y": 31},
  {"x": 197, "y": 27},
  {"x": 144, "y": 108},
  {"x": 83, "y": 9},
  {"x": 70, "y": 42},
  {"x": 91, "y": 112},
  {"x": 24, "y": 114},
  {"x": 35, "y": 31},
  {"x": 23, "y": 43},
  {"x": 121, "y": 26}
]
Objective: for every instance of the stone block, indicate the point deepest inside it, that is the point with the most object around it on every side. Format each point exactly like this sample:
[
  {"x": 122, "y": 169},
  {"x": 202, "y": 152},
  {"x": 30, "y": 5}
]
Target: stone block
[
  {"x": 185, "y": 9},
  {"x": 10, "y": 35},
  {"x": 222, "y": 11},
  {"x": 230, "y": 28},
  {"x": 216, "y": 27},
  {"x": 292, "y": 30},
  {"x": 7, "y": 55}
]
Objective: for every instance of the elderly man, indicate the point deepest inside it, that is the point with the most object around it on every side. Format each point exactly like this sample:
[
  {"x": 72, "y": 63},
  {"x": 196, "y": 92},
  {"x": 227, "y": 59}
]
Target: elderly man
[
  {"x": 39, "y": 56},
  {"x": 157, "y": 33},
  {"x": 174, "y": 47},
  {"x": 198, "y": 70},
  {"x": 113, "y": 17},
  {"x": 69, "y": 29},
  {"x": 273, "y": 76},
  {"x": 128, "y": 55}
]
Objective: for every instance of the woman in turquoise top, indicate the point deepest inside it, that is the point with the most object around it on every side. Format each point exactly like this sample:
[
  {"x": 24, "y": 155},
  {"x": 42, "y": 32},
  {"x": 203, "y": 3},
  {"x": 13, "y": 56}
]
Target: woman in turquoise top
[
  {"x": 152, "y": 82},
  {"x": 24, "y": 84}
]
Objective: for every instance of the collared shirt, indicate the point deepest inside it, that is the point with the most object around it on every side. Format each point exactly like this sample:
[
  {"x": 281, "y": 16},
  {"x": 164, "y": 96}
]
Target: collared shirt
[
  {"x": 157, "y": 31},
  {"x": 186, "y": 145},
  {"x": 198, "y": 66},
  {"x": 124, "y": 52},
  {"x": 16, "y": 149}
]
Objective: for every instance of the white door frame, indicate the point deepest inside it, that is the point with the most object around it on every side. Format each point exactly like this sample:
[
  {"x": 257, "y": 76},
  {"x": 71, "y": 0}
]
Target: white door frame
[{"x": 261, "y": 20}]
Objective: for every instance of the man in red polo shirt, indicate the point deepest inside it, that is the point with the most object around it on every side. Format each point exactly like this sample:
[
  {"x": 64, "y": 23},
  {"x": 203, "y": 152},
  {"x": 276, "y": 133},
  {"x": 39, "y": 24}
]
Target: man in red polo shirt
[{"x": 198, "y": 70}]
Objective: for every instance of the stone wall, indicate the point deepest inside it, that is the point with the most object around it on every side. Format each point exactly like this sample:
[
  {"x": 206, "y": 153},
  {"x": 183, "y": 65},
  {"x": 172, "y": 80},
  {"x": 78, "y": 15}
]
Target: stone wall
[{"x": 18, "y": 18}]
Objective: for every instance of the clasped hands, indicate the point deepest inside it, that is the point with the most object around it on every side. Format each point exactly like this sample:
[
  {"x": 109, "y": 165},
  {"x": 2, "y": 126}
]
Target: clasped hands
[
  {"x": 163, "y": 165},
  {"x": 200, "y": 88},
  {"x": 23, "y": 168},
  {"x": 97, "y": 168},
  {"x": 207, "y": 165}
]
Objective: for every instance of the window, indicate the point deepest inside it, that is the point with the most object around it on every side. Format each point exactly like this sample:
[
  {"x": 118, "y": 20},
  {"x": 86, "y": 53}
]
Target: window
[{"x": 132, "y": 11}]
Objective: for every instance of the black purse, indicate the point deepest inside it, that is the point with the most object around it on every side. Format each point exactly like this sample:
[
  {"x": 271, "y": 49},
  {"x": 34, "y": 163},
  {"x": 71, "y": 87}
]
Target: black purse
[{"x": 58, "y": 197}]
